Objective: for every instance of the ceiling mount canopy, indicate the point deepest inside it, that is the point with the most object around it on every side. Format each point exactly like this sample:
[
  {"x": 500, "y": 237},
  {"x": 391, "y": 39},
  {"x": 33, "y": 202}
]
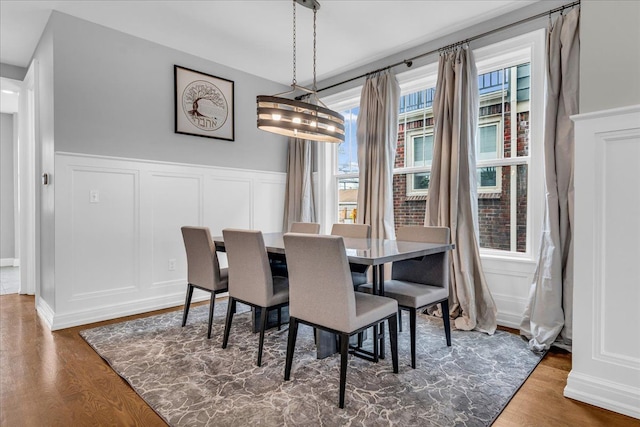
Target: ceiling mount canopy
[{"x": 305, "y": 119}]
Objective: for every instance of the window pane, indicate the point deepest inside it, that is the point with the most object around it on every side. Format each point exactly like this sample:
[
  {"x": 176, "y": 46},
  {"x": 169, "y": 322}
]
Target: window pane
[
  {"x": 487, "y": 177},
  {"x": 418, "y": 151},
  {"x": 499, "y": 227},
  {"x": 488, "y": 142},
  {"x": 348, "y": 150},
  {"x": 421, "y": 181},
  {"x": 422, "y": 150},
  {"x": 347, "y": 200}
]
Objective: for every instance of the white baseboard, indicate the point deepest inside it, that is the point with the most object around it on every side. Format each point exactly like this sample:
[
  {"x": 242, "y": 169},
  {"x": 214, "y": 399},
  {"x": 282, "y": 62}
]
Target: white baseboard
[
  {"x": 69, "y": 320},
  {"x": 510, "y": 320},
  {"x": 604, "y": 394},
  {"x": 45, "y": 312}
]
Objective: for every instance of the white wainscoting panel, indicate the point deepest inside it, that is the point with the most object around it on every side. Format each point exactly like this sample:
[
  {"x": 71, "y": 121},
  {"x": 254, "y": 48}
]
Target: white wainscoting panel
[
  {"x": 176, "y": 201},
  {"x": 229, "y": 202},
  {"x": 509, "y": 281},
  {"x": 104, "y": 231},
  {"x": 270, "y": 204},
  {"x": 606, "y": 319},
  {"x": 119, "y": 249}
]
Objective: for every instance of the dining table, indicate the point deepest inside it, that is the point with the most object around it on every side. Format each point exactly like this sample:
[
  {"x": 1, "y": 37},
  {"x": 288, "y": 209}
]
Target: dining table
[{"x": 370, "y": 252}]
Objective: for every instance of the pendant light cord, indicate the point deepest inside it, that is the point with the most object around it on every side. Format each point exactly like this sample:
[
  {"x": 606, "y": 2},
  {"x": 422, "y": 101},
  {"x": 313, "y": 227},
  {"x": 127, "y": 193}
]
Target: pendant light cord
[
  {"x": 315, "y": 12},
  {"x": 294, "y": 82}
]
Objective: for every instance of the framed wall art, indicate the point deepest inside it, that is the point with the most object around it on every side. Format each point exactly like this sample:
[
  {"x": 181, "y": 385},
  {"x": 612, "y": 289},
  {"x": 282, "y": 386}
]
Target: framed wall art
[{"x": 203, "y": 104}]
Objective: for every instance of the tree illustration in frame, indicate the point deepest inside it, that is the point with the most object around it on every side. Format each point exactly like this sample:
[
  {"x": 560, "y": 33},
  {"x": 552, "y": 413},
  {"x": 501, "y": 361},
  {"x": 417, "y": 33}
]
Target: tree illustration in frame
[{"x": 203, "y": 104}]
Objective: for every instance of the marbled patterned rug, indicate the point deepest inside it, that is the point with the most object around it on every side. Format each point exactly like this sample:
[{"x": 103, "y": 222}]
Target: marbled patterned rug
[{"x": 191, "y": 381}]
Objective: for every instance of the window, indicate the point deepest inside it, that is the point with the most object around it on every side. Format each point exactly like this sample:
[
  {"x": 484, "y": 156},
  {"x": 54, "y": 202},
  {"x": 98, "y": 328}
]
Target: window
[
  {"x": 506, "y": 174},
  {"x": 419, "y": 154},
  {"x": 489, "y": 147}
]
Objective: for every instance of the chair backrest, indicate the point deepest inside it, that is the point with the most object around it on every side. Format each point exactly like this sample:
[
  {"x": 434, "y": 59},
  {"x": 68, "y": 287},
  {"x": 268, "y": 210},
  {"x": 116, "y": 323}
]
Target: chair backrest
[
  {"x": 429, "y": 270},
  {"x": 203, "y": 269},
  {"x": 356, "y": 231},
  {"x": 249, "y": 272},
  {"x": 320, "y": 286},
  {"x": 305, "y": 227}
]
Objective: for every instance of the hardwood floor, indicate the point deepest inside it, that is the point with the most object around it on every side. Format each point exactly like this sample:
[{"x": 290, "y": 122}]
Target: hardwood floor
[{"x": 56, "y": 379}]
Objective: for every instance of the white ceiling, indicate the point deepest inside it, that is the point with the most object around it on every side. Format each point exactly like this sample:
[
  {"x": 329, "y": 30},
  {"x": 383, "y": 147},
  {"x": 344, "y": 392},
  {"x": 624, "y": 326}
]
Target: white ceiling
[{"x": 256, "y": 36}]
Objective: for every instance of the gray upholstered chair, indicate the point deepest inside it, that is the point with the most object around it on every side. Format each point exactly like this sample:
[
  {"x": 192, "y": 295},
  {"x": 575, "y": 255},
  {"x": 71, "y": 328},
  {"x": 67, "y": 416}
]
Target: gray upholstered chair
[
  {"x": 321, "y": 295},
  {"x": 203, "y": 270},
  {"x": 420, "y": 282},
  {"x": 250, "y": 279},
  {"x": 356, "y": 231},
  {"x": 305, "y": 227}
]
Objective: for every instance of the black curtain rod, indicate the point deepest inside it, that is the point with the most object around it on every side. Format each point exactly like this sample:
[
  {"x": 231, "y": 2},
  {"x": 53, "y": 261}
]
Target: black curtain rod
[{"x": 409, "y": 62}]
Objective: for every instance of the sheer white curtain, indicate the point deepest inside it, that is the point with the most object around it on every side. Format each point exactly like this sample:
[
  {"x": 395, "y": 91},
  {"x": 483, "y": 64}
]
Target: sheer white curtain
[
  {"x": 453, "y": 201},
  {"x": 548, "y": 316},
  {"x": 377, "y": 140},
  {"x": 299, "y": 199}
]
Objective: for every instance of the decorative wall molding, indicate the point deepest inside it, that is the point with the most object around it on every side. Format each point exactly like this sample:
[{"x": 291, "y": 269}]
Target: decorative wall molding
[
  {"x": 9, "y": 262},
  {"x": 604, "y": 394},
  {"x": 606, "y": 356},
  {"x": 119, "y": 248},
  {"x": 509, "y": 280}
]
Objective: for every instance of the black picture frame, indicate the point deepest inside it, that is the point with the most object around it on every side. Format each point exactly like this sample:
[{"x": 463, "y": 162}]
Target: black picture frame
[{"x": 204, "y": 104}]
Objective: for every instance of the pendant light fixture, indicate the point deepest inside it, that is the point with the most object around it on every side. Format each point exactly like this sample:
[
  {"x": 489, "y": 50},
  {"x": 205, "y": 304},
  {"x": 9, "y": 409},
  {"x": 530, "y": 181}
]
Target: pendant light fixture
[{"x": 309, "y": 119}]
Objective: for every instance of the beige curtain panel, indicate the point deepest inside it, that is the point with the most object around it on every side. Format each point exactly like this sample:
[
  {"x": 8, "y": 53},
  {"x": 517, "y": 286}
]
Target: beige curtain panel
[
  {"x": 453, "y": 201},
  {"x": 377, "y": 140},
  {"x": 548, "y": 315},
  {"x": 299, "y": 199}
]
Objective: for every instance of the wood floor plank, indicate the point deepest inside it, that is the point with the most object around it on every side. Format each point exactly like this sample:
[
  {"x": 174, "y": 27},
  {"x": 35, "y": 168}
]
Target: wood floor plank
[{"x": 56, "y": 379}]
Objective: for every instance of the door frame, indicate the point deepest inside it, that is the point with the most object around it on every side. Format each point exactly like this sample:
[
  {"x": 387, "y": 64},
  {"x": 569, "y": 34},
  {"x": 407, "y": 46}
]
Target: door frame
[{"x": 29, "y": 164}]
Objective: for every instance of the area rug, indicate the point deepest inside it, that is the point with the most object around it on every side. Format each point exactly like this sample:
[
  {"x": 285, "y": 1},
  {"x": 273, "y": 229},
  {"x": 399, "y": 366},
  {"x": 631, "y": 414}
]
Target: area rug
[{"x": 191, "y": 381}]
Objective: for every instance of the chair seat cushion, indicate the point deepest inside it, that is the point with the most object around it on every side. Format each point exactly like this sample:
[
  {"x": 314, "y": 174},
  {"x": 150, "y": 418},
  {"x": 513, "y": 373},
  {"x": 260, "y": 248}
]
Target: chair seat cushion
[
  {"x": 280, "y": 290},
  {"x": 410, "y": 294},
  {"x": 371, "y": 308}
]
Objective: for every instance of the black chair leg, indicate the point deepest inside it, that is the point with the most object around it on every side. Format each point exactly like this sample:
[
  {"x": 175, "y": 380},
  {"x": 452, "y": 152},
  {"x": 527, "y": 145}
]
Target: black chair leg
[
  {"x": 376, "y": 344},
  {"x": 399, "y": 319},
  {"x": 211, "y": 307},
  {"x": 263, "y": 326},
  {"x": 291, "y": 345},
  {"x": 412, "y": 331},
  {"x": 382, "y": 344},
  {"x": 231, "y": 309},
  {"x": 187, "y": 303},
  {"x": 447, "y": 322},
  {"x": 393, "y": 339},
  {"x": 344, "y": 353},
  {"x": 279, "y": 317}
]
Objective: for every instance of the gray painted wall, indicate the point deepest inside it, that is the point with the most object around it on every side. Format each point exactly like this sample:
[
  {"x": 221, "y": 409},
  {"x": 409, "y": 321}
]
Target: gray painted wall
[
  {"x": 609, "y": 55},
  {"x": 114, "y": 96},
  {"x": 103, "y": 92},
  {"x": 7, "y": 227},
  {"x": 12, "y": 72}
]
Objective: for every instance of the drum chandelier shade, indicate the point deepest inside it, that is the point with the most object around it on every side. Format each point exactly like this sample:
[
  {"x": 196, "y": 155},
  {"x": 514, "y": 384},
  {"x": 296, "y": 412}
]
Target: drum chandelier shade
[{"x": 296, "y": 118}]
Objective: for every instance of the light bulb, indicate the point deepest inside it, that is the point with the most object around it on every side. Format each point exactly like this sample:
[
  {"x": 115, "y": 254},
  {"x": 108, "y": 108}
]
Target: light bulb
[{"x": 276, "y": 116}]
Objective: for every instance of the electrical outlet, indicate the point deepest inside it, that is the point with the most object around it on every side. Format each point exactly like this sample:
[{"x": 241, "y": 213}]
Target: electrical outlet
[
  {"x": 94, "y": 196},
  {"x": 172, "y": 264}
]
